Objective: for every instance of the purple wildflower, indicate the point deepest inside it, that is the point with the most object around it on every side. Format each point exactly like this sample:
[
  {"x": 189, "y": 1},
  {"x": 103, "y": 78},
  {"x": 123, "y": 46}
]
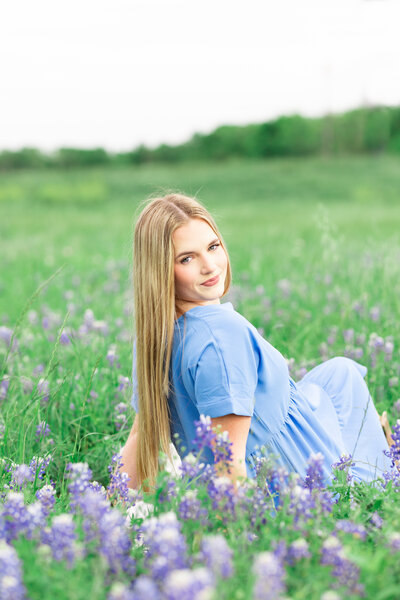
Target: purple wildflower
[
  {"x": 79, "y": 476},
  {"x": 221, "y": 491},
  {"x": 42, "y": 431},
  {"x": 216, "y": 555},
  {"x": 394, "y": 542},
  {"x": 394, "y": 451},
  {"x": 11, "y": 586},
  {"x": 62, "y": 539},
  {"x": 187, "y": 584},
  {"x": 43, "y": 390},
  {"x": 355, "y": 529},
  {"x": 112, "y": 356},
  {"x": 375, "y": 313},
  {"x": 64, "y": 339},
  {"x": 118, "y": 486},
  {"x": 376, "y": 520},
  {"x": 115, "y": 543},
  {"x": 297, "y": 550},
  {"x": 190, "y": 508},
  {"x": 166, "y": 546},
  {"x": 4, "y": 385},
  {"x": 46, "y": 495},
  {"x": 16, "y": 515},
  {"x": 346, "y": 572},
  {"x": 269, "y": 572},
  {"x": 6, "y": 334},
  {"x": 348, "y": 335},
  {"x": 190, "y": 466},
  {"x": 314, "y": 475},
  {"x": 145, "y": 588},
  {"x": 396, "y": 406},
  {"x": 38, "y": 466},
  {"x": 345, "y": 464},
  {"x": 21, "y": 475},
  {"x": 120, "y": 591},
  {"x": 205, "y": 436}
]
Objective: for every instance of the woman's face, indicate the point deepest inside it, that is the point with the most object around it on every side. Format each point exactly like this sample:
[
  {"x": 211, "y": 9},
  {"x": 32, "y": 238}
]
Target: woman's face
[{"x": 199, "y": 256}]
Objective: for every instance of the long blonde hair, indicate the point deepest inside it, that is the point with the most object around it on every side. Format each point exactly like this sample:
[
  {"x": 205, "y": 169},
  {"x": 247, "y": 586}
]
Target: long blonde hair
[{"x": 154, "y": 318}]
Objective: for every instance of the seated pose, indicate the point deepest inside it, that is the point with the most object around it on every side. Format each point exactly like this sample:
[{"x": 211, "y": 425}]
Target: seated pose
[{"x": 194, "y": 355}]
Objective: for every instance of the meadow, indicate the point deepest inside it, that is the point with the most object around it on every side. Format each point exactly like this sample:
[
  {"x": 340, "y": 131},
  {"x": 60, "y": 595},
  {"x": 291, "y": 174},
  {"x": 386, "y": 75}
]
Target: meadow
[{"x": 315, "y": 251}]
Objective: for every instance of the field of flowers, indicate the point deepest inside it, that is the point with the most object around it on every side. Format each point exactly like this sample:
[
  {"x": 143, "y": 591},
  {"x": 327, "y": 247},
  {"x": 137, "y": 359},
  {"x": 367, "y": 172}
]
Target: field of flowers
[{"x": 315, "y": 251}]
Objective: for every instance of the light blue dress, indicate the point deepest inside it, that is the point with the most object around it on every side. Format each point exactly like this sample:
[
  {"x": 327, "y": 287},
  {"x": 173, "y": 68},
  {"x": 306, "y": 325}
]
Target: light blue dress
[{"x": 221, "y": 365}]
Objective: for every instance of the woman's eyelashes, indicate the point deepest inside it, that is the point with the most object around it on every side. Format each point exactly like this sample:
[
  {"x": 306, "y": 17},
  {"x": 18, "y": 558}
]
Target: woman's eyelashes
[{"x": 183, "y": 261}]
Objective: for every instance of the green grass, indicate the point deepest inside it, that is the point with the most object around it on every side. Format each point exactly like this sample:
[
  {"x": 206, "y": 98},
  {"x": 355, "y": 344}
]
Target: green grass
[{"x": 327, "y": 230}]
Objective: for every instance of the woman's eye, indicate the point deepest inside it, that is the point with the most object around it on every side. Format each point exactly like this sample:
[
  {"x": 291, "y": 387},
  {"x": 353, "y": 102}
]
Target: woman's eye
[{"x": 184, "y": 260}]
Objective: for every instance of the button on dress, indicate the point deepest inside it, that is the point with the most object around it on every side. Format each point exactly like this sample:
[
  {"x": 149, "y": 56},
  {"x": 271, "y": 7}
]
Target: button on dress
[{"x": 221, "y": 365}]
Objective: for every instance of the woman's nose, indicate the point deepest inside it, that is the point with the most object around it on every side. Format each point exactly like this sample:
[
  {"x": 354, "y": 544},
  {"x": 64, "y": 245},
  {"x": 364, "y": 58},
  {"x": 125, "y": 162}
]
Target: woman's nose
[{"x": 208, "y": 263}]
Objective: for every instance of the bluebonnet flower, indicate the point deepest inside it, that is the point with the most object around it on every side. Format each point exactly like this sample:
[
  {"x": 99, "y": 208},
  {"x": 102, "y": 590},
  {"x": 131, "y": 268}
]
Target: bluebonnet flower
[
  {"x": 345, "y": 463},
  {"x": 346, "y": 572},
  {"x": 357, "y": 530},
  {"x": 205, "y": 436},
  {"x": 38, "y": 466},
  {"x": 115, "y": 542},
  {"x": 376, "y": 520},
  {"x": 21, "y": 475},
  {"x": 186, "y": 584},
  {"x": 42, "y": 430},
  {"x": 396, "y": 406},
  {"x": 269, "y": 572},
  {"x": 297, "y": 550},
  {"x": 190, "y": 508},
  {"x": 6, "y": 334},
  {"x": 79, "y": 476},
  {"x": 15, "y": 514},
  {"x": 118, "y": 486},
  {"x": 166, "y": 546},
  {"x": 62, "y": 539},
  {"x": 223, "y": 449},
  {"x": 394, "y": 451},
  {"x": 46, "y": 496},
  {"x": 314, "y": 475},
  {"x": 216, "y": 555},
  {"x": 190, "y": 466},
  {"x": 145, "y": 588},
  {"x": 4, "y": 385},
  {"x": 221, "y": 491},
  {"x": 43, "y": 388},
  {"x": 11, "y": 586},
  {"x": 302, "y": 504},
  {"x": 394, "y": 542},
  {"x": 112, "y": 356},
  {"x": 120, "y": 417},
  {"x": 64, "y": 339},
  {"x": 120, "y": 591}
]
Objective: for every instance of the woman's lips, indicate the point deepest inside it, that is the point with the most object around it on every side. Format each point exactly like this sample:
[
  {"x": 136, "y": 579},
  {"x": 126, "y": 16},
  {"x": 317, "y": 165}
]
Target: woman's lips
[{"x": 211, "y": 282}]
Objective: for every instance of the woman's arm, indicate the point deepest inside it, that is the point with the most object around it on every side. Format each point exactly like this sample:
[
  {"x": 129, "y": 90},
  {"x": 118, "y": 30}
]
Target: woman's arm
[
  {"x": 129, "y": 455},
  {"x": 238, "y": 430}
]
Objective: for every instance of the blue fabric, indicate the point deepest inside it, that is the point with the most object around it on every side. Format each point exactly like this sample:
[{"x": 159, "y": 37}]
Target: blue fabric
[{"x": 222, "y": 365}]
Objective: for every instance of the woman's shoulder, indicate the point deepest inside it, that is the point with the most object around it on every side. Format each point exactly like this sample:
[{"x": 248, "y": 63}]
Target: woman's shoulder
[{"x": 220, "y": 323}]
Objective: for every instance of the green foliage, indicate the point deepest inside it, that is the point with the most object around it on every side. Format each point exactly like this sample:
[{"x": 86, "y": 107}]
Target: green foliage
[{"x": 365, "y": 130}]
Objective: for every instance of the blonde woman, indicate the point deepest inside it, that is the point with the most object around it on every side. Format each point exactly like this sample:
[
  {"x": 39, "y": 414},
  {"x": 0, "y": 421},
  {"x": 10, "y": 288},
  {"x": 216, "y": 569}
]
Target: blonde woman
[{"x": 194, "y": 355}]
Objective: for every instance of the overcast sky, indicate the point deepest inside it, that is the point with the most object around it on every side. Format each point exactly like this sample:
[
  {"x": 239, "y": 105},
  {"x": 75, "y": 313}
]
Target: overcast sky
[{"x": 118, "y": 73}]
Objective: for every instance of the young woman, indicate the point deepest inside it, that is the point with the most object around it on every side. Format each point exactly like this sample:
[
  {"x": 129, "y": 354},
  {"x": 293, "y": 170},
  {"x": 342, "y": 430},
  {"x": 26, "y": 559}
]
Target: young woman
[{"x": 194, "y": 355}]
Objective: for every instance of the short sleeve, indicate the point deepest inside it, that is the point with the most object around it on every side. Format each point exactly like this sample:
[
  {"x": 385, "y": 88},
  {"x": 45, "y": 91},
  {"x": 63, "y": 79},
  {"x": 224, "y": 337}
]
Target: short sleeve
[
  {"x": 135, "y": 397},
  {"x": 225, "y": 378}
]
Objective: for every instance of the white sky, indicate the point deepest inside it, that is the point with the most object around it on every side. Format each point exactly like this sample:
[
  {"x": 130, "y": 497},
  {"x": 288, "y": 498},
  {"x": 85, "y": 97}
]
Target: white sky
[{"x": 119, "y": 73}]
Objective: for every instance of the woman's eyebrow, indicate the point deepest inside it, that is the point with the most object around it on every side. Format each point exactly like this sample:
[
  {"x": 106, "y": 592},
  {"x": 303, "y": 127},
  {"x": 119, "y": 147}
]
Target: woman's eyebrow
[{"x": 193, "y": 252}]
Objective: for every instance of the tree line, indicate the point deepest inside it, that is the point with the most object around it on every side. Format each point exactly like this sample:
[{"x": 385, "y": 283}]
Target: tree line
[{"x": 363, "y": 130}]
